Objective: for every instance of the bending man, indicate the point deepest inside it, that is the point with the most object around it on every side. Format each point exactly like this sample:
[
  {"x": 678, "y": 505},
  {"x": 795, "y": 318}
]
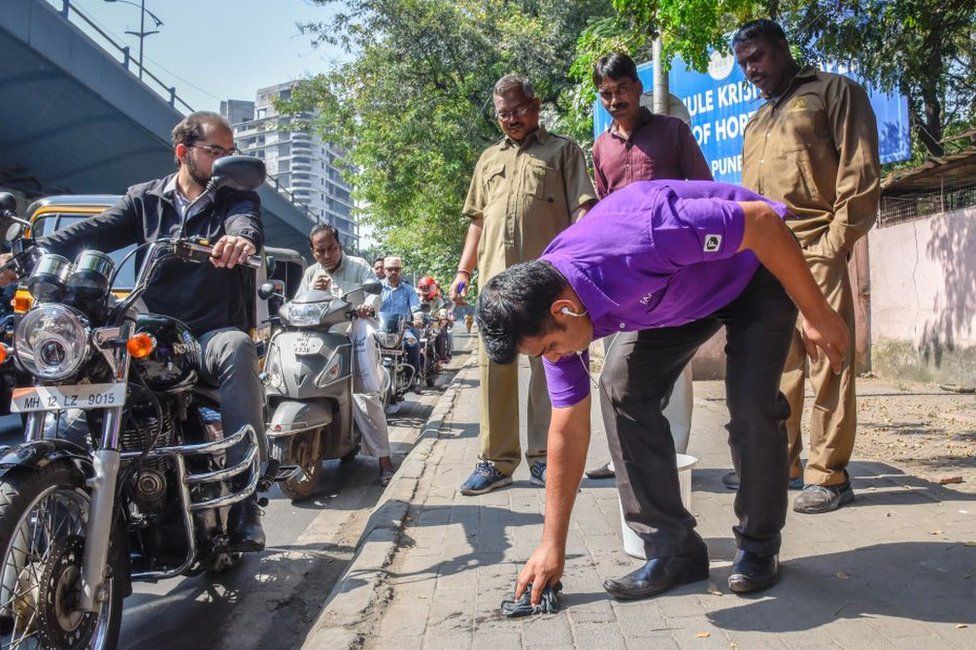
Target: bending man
[{"x": 674, "y": 261}]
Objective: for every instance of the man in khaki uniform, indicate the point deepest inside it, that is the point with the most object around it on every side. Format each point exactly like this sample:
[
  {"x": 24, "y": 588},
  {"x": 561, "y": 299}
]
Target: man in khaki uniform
[
  {"x": 526, "y": 189},
  {"x": 814, "y": 146}
]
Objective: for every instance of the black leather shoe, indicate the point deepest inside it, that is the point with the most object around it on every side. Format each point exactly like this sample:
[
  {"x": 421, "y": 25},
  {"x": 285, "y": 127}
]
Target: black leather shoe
[
  {"x": 247, "y": 534},
  {"x": 753, "y": 572},
  {"x": 603, "y": 471},
  {"x": 657, "y": 576}
]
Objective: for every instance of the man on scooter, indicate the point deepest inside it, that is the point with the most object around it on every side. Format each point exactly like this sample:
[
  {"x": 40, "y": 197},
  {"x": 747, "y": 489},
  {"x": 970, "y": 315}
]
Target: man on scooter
[
  {"x": 340, "y": 273},
  {"x": 430, "y": 294},
  {"x": 400, "y": 298},
  {"x": 212, "y": 299}
]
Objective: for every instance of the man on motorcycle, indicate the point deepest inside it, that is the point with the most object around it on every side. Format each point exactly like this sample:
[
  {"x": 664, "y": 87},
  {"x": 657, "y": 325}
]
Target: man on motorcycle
[
  {"x": 400, "y": 298},
  {"x": 211, "y": 299},
  {"x": 430, "y": 294},
  {"x": 340, "y": 273}
]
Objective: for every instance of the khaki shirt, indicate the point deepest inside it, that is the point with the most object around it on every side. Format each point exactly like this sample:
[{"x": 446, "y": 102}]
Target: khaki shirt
[
  {"x": 816, "y": 150},
  {"x": 527, "y": 195}
]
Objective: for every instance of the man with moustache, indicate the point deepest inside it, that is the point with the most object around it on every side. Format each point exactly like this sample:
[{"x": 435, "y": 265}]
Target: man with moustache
[
  {"x": 525, "y": 190},
  {"x": 813, "y": 146},
  {"x": 378, "y": 269},
  {"x": 212, "y": 299},
  {"x": 642, "y": 146}
]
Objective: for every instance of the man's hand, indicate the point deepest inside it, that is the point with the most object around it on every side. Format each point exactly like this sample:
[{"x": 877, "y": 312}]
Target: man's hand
[
  {"x": 457, "y": 292},
  {"x": 323, "y": 281},
  {"x": 231, "y": 251},
  {"x": 829, "y": 333},
  {"x": 544, "y": 568},
  {"x": 365, "y": 311},
  {"x": 7, "y": 275},
  {"x": 418, "y": 320}
]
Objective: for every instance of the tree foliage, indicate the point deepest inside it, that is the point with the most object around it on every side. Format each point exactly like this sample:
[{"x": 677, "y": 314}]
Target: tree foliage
[
  {"x": 925, "y": 49},
  {"x": 413, "y": 105}
]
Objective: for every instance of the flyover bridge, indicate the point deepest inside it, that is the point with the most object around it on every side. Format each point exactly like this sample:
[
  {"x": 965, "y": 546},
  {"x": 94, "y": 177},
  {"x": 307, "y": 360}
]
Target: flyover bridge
[{"x": 75, "y": 119}]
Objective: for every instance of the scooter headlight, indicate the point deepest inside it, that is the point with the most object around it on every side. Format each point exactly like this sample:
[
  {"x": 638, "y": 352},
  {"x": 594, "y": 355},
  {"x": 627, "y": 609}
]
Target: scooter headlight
[
  {"x": 52, "y": 341},
  {"x": 304, "y": 314}
]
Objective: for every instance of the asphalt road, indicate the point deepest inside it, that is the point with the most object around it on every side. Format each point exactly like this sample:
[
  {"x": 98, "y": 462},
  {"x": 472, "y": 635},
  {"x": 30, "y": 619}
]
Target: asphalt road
[{"x": 271, "y": 600}]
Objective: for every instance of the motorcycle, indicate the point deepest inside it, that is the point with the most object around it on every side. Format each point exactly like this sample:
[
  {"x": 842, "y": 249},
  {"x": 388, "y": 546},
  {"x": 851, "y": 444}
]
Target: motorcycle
[
  {"x": 308, "y": 379},
  {"x": 146, "y": 492},
  {"x": 392, "y": 332},
  {"x": 430, "y": 358}
]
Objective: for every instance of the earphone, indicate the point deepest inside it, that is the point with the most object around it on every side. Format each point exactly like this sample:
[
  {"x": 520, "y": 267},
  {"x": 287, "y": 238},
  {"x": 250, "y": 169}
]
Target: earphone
[{"x": 570, "y": 312}]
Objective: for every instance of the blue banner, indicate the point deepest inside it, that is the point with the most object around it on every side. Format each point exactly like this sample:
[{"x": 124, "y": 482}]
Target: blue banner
[{"x": 721, "y": 101}]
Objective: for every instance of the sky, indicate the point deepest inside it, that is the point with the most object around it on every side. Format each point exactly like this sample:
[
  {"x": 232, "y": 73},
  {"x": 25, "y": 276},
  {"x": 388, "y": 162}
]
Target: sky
[{"x": 221, "y": 49}]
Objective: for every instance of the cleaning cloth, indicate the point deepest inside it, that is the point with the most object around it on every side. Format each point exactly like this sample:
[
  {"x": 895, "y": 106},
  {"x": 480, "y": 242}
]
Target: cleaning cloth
[{"x": 548, "y": 604}]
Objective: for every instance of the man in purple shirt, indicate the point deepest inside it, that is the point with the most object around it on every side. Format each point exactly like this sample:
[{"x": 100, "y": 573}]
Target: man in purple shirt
[{"x": 674, "y": 260}]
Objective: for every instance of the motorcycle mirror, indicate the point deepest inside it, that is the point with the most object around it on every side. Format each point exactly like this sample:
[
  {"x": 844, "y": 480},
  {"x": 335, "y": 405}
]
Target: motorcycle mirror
[
  {"x": 425, "y": 307},
  {"x": 10, "y": 225},
  {"x": 266, "y": 290},
  {"x": 242, "y": 173},
  {"x": 373, "y": 288},
  {"x": 7, "y": 202}
]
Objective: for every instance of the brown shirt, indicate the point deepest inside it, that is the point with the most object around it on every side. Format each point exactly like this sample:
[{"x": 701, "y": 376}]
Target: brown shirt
[
  {"x": 661, "y": 147},
  {"x": 816, "y": 150},
  {"x": 527, "y": 195}
]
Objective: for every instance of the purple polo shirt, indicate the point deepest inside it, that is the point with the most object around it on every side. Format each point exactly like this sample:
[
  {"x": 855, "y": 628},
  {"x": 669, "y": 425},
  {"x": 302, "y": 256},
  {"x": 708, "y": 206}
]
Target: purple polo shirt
[{"x": 653, "y": 254}]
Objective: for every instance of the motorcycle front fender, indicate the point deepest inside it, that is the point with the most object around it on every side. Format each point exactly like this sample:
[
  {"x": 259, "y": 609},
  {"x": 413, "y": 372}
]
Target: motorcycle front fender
[
  {"x": 293, "y": 416},
  {"x": 38, "y": 454}
]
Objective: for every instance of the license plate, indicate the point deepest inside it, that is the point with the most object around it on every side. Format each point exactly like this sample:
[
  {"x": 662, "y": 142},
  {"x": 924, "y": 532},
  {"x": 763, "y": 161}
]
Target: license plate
[
  {"x": 84, "y": 396},
  {"x": 308, "y": 346}
]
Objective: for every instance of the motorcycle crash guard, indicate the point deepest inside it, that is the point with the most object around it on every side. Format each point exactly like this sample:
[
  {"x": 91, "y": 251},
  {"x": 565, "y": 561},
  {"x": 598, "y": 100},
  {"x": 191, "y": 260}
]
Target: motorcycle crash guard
[
  {"x": 38, "y": 454},
  {"x": 291, "y": 417}
]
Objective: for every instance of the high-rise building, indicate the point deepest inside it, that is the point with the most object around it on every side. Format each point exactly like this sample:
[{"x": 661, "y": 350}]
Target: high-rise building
[{"x": 298, "y": 160}]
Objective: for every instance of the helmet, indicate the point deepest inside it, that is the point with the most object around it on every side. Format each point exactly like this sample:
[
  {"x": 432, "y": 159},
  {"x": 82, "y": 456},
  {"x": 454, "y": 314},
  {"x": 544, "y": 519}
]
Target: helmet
[{"x": 427, "y": 287}]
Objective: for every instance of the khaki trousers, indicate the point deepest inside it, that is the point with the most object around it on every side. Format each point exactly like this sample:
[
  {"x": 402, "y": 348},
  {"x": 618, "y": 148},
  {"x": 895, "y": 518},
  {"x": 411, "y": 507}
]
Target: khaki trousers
[
  {"x": 500, "y": 413},
  {"x": 833, "y": 418}
]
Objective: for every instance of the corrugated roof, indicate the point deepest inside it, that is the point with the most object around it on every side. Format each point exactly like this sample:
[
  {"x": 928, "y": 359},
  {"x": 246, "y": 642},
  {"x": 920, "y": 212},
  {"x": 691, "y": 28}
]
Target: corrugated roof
[{"x": 944, "y": 173}]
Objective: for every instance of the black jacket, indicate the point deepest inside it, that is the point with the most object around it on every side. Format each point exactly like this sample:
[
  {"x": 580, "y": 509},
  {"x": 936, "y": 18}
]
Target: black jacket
[{"x": 202, "y": 296}]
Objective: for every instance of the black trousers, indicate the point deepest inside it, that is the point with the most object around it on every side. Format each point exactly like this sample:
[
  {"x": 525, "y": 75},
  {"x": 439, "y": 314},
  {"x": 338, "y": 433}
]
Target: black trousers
[{"x": 637, "y": 378}]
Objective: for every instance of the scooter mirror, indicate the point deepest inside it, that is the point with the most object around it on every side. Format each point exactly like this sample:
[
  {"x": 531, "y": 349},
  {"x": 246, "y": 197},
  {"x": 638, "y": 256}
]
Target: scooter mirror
[
  {"x": 242, "y": 173},
  {"x": 373, "y": 288}
]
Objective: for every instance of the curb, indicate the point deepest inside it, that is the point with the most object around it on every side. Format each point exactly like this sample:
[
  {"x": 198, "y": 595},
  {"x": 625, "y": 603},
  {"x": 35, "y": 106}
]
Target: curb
[{"x": 363, "y": 584}]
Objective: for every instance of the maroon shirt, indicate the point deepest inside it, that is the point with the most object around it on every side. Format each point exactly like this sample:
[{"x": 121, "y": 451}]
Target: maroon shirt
[{"x": 661, "y": 147}]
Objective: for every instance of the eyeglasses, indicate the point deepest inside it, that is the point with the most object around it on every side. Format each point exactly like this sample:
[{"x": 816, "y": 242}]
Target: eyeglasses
[
  {"x": 215, "y": 151},
  {"x": 520, "y": 111},
  {"x": 393, "y": 268}
]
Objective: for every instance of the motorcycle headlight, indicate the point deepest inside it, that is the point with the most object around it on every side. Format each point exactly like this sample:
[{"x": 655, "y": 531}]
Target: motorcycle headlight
[
  {"x": 301, "y": 315},
  {"x": 388, "y": 339},
  {"x": 52, "y": 341}
]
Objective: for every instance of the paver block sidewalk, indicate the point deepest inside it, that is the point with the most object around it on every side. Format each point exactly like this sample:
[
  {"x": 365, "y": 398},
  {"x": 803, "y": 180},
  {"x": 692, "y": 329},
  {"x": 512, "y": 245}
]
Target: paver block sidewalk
[{"x": 894, "y": 570}]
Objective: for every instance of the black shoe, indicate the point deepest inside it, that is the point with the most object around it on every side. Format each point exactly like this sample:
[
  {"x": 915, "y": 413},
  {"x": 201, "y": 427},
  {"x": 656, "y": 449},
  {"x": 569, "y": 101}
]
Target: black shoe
[
  {"x": 603, "y": 471},
  {"x": 823, "y": 498},
  {"x": 659, "y": 575},
  {"x": 247, "y": 535},
  {"x": 753, "y": 572},
  {"x": 731, "y": 480}
]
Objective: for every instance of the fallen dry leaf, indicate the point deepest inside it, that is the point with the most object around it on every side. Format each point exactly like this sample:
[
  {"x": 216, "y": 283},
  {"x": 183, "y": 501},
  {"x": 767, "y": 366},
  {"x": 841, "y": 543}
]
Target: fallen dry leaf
[
  {"x": 969, "y": 543},
  {"x": 713, "y": 590},
  {"x": 947, "y": 480},
  {"x": 703, "y": 635},
  {"x": 843, "y": 576},
  {"x": 961, "y": 626},
  {"x": 937, "y": 531}
]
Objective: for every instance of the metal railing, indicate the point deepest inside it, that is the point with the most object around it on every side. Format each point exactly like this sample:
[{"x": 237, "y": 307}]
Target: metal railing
[{"x": 67, "y": 10}]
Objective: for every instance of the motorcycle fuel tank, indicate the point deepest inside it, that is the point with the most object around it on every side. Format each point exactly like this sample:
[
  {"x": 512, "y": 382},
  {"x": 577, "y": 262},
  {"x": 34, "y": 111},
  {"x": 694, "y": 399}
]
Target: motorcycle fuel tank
[{"x": 172, "y": 366}]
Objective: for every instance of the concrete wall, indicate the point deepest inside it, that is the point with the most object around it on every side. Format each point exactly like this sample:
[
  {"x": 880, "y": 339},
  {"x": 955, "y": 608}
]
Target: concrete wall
[{"x": 923, "y": 298}]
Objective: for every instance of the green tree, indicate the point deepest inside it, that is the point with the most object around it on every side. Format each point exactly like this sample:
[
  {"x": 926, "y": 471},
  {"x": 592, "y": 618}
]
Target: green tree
[{"x": 413, "y": 105}]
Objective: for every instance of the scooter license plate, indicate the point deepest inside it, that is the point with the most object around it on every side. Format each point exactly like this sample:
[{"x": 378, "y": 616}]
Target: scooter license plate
[
  {"x": 55, "y": 398},
  {"x": 307, "y": 346}
]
